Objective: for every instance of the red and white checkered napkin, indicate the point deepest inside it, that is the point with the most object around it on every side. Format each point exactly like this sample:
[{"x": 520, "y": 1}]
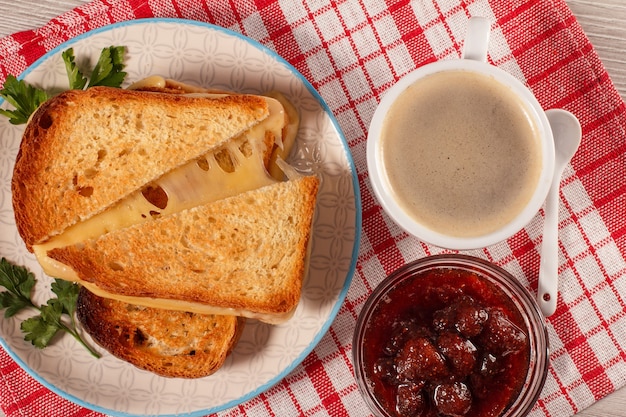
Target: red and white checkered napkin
[{"x": 352, "y": 51}]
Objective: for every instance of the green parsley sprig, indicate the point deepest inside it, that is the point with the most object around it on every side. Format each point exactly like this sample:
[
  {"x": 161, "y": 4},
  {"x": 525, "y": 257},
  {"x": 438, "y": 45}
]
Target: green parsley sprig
[
  {"x": 107, "y": 72},
  {"x": 26, "y": 98},
  {"x": 58, "y": 314}
]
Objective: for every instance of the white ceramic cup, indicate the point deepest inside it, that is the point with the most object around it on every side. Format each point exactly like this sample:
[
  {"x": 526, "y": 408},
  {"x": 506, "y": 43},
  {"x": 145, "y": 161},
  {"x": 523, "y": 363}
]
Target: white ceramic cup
[{"x": 474, "y": 59}]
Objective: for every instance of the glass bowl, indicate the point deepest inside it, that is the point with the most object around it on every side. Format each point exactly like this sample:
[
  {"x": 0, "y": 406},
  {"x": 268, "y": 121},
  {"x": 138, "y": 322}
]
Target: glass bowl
[{"x": 450, "y": 334}]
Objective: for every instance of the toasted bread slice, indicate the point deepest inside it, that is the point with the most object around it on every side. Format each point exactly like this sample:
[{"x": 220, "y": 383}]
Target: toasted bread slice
[
  {"x": 156, "y": 83},
  {"x": 168, "y": 343},
  {"x": 82, "y": 151},
  {"x": 244, "y": 255}
]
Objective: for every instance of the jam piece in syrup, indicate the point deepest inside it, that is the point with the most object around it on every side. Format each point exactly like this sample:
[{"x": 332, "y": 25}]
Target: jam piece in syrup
[{"x": 446, "y": 343}]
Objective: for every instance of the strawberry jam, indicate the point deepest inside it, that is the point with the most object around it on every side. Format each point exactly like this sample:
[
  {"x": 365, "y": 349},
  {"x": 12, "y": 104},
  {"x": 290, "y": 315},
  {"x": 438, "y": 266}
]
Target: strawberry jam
[{"x": 446, "y": 342}]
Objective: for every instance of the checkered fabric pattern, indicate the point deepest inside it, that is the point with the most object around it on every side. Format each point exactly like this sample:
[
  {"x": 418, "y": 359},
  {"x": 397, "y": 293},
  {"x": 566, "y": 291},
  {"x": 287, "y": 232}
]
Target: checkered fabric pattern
[{"x": 352, "y": 51}]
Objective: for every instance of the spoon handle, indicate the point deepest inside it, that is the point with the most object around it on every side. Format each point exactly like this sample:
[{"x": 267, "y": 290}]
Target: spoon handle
[
  {"x": 547, "y": 291},
  {"x": 567, "y": 136}
]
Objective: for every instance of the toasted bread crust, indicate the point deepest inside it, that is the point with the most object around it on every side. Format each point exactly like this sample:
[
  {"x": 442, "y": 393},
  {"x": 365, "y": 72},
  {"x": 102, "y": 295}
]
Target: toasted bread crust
[
  {"x": 67, "y": 159},
  {"x": 168, "y": 343},
  {"x": 245, "y": 252}
]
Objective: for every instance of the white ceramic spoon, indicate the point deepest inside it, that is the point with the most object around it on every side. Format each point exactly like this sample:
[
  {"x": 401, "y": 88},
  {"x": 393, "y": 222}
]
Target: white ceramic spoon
[{"x": 567, "y": 134}]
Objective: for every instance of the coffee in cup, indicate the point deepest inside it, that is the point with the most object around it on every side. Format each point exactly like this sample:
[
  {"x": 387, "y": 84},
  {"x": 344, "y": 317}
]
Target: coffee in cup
[{"x": 460, "y": 153}]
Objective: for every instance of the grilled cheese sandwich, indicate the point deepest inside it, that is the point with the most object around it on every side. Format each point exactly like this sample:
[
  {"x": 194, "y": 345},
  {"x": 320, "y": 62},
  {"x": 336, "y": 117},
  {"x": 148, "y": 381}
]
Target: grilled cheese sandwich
[{"x": 232, "y": 165}]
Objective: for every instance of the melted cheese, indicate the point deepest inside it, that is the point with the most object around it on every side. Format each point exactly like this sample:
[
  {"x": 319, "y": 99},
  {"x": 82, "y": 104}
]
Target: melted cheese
[
  {"x": 181, "y": 305},
  {"x": 289, "y": 133},
  {"x": 158, "y": 82},
  {"x": 153, "y": 81}
]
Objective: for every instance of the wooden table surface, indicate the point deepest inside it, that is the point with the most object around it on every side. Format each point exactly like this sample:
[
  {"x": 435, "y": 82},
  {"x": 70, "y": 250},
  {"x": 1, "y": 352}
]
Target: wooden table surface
[{"x": 604, "y": 22}]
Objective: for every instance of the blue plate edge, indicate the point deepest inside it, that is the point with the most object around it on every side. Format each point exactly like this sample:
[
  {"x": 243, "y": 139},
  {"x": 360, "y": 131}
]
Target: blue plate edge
[{"x": 358, "y": 221}]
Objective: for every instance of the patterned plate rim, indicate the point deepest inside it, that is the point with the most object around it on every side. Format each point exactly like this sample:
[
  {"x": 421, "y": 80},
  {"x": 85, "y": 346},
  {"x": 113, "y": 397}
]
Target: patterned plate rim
[{"x": 358, "y": 215}]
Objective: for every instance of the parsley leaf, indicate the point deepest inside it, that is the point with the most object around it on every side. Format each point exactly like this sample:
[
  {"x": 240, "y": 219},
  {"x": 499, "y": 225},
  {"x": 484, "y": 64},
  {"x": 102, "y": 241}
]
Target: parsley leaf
[
  {"x": 24, "y": 97},
  {"x": 40, "y": 329},
  {"x": 67, "y": 294},
  {"x": 77, "y": 81},
  {"x": 108, "y": 69},
  {"x": 12, "y": 303},
  {"x": 19, "y": 282}
]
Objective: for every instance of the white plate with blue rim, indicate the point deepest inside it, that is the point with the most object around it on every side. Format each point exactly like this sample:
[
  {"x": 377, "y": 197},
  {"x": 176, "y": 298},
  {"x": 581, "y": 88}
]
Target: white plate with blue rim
[{"x": 205, "y": 55}]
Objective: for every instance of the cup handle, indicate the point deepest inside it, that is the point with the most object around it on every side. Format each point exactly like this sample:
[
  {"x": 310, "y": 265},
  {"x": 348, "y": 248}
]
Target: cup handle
[{"x": 477, "y": 39}]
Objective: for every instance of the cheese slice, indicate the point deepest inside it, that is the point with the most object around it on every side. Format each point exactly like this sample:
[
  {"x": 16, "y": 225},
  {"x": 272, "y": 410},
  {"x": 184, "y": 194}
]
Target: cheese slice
[
  {"x": 158, "y": 82},
  {"x": 192, "y": 307},
  {"x": 198, "y": 182}
]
